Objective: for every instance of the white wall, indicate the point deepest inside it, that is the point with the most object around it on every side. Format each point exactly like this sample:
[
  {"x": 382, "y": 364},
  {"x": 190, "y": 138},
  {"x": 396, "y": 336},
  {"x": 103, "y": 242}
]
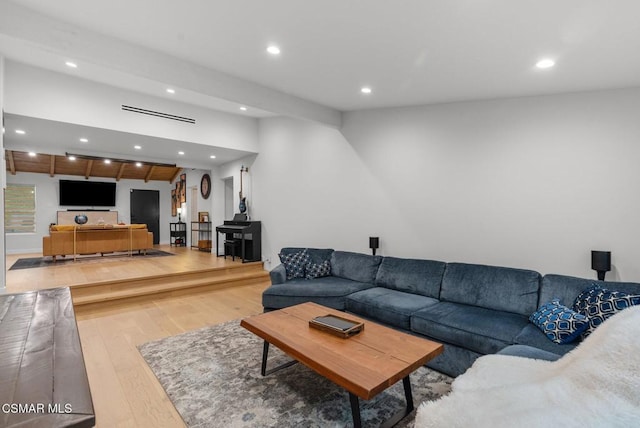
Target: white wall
[
  {"x": 43, "y": 94},
  {"x": 47, "y": 197},
  {"x": 529, "y": 182}
]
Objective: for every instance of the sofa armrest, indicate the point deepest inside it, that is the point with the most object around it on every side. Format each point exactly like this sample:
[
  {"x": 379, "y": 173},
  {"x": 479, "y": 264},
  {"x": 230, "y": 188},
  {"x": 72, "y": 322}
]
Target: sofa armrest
[{"x": 278, "y": 275}]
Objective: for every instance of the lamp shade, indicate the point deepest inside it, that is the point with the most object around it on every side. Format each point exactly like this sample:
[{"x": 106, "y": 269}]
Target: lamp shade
[
  {"x": 601, "y": 261},
  {"x": 374, "y": 242}
]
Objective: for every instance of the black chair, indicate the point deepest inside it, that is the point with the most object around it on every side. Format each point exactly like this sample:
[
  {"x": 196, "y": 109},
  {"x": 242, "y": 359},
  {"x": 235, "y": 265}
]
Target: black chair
[{"x": 230, "y": 247}]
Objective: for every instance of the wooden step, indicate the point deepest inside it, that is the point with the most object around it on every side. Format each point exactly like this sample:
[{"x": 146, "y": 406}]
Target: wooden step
[{"x": 174, "y": 284}]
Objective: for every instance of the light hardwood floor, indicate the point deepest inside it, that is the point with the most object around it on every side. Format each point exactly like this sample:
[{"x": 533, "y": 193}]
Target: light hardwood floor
[
  {"x": 108, "y": 267},
  {"x": 125, "y": 391}
]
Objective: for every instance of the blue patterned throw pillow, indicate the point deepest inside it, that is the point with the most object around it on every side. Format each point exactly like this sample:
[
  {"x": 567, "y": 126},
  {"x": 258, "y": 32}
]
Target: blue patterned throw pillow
[
  {"x": 318, "y": 270},
  {"x": 559, "y": 323},
  {"x": 586, "y": 298},
  {"x": 598, "y": 304},
  {"x": 295, "y": 263}
]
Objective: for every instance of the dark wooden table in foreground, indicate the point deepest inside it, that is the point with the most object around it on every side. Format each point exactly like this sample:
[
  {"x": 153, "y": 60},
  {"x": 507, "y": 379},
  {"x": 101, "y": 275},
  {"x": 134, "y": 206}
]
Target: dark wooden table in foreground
[
  {"x": 364, "y": 365},
  {"x": 43, "y": 380}
]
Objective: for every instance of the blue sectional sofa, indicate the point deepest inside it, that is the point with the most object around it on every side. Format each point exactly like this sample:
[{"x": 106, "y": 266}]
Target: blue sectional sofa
[{"x": 472, "y": 309}]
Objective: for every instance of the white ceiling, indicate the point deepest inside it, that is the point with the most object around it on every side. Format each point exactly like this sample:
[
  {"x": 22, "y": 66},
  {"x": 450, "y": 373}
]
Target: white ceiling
[
  {"x": 59, "y": 138},
  {"x": 409, "y": 52}
]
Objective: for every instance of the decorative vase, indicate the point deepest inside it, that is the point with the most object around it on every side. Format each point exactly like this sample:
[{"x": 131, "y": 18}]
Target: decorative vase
[{"x": 81, "y": 219}]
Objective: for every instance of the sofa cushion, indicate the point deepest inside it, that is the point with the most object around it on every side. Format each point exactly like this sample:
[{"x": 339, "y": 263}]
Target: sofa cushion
[
  {"x": 567, "y": 288},
  {"x": 491, "y": 287},
  {"x": 454, "y": 360},
  {"x": 410, "y": 275},
  {"x": 479, "y": 329},
  {"x": 532, "y": 336},
  {"x": 295, "y": 263},
  {"x": 316, "y": 255},
  {"x": 529, "y": 352},
  {"x": 391, "y": 307},
  {"x": 559, "y": 323},
  {"x": 328, "y": 291},
  {"x": 586, "y": 298},
  {"x": 598, "y": 304},
  {"x": 318, "y": 270},
  {"x": 355, "y": 266}
]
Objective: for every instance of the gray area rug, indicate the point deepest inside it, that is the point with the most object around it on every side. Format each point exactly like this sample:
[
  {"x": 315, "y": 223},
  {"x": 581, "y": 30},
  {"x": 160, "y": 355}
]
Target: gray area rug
[
  {"x": 36, "y": 262},
  {"x": 212, "y": 376}
]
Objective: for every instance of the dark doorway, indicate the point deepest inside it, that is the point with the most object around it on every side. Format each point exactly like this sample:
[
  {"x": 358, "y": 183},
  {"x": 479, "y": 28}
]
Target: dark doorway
[{"x": 145, "y": 209}]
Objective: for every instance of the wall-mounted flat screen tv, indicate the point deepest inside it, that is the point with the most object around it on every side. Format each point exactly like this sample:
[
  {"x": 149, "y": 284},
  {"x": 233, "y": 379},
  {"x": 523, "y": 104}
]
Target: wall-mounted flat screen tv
[{"x": 87, "y": 193}]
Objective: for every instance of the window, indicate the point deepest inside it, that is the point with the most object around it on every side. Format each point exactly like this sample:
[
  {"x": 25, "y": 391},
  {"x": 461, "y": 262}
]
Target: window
[{"x": 20, "y": 208}]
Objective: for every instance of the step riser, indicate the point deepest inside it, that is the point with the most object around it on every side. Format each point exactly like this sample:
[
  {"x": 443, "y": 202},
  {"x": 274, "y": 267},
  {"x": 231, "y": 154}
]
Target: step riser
[
  {"x": 182, "y": 276},
  {"x": 135, "y": 293},
  {"x": 91, "y": 307},
  {"x": 184, "y": 283},
  {"x": 172, "y": 282}
]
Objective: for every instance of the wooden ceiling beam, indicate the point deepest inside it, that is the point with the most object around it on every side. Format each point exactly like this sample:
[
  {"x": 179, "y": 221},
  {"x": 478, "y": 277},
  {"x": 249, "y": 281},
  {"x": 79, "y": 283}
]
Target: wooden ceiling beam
[
  {"x": 120, "y": 171},
  {"x": 12, "y": 164},
  {"x": 87, "y": 172},
  {"x": 52, "y": 165},
  {"x": 175, "y": 175},
  {"x": 148, "y": 176}
]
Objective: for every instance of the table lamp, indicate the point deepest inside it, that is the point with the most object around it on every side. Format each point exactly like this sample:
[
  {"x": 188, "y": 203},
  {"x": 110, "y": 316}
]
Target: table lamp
[
  {"x": 374, "y": 244},
  {"x": 601, "y": 262}
]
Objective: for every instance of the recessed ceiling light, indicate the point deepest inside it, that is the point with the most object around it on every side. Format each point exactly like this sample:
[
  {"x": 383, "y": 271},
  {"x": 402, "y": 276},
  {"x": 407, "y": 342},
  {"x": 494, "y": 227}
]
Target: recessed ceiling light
[
  {"x": 107, "y": 161},
  {"x": 171, "y": 90},
  {"x": 20, "y": 131},
  {"x": 365, "y": 90},
  {"x": 180, "y": 153},
  {"x": 212, "y": 156},
  {"x": 32, "y": 154},
  {"x": 84, "y": 140},
  {"x": 71, "y": 64},
  {"x": 545, "y": 63},
  {"x": 273, "y": 50},
  {"x": 138, "y": 164},
  {"x": 243, "y": 108},
  {"x": 137, "y": 147},
  {"x": 71, "y": 158}
]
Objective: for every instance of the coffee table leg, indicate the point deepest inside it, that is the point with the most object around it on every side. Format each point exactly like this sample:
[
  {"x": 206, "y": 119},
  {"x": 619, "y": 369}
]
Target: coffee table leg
[
  {"x": 355, "y": 410},
  {"x": 355, "y": 407},
  {"x": 265, "y": 354},
  {"x": 407, "y": 394}
]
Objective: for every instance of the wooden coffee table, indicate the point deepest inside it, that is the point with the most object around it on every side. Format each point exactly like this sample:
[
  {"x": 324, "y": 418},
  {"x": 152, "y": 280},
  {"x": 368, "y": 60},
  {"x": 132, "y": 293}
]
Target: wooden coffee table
[{"x": 365, "y": 364}]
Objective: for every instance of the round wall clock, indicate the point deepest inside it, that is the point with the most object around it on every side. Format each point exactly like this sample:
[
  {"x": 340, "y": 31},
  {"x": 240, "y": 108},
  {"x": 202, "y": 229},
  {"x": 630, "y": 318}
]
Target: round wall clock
[{"x": 205, "y": 186}]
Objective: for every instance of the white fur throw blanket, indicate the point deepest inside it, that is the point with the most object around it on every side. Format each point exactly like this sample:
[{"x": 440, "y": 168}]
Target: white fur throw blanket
[{"x": 595, "y": 385}]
